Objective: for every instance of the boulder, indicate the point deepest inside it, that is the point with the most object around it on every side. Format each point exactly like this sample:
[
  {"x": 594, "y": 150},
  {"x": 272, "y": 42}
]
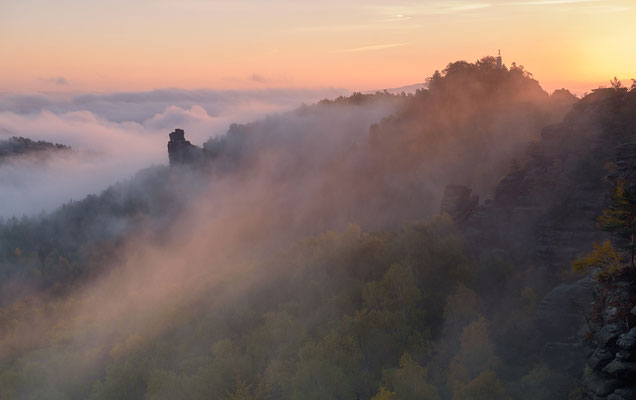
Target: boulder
[
  {"x": 609, "y": 334},
  {"x": 628, "y": 393},
  {"x": 601, "y": 384},
  {"x": 600, "y": 358},
  {"x": 621, "y": 369},
  {"x": 628, "y": 340},
  {"x": 609, "y": 314},
  {"x": 626, "y": 355}
]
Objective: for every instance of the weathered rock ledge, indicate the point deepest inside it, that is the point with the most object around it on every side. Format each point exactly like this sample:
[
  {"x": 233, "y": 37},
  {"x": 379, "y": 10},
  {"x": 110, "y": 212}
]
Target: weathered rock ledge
[{"x": 611, "y": 367}]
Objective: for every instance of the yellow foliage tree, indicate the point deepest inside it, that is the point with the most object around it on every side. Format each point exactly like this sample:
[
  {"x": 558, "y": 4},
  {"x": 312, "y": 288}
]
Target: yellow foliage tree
[
  {"x": 384, "y": 394},
  {"x": 620, "y": 217},
  {"x": 604, "y": 256}
]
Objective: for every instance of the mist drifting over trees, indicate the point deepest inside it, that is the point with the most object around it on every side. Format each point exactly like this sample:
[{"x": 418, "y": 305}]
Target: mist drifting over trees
[{"x": 304, "y": 255}]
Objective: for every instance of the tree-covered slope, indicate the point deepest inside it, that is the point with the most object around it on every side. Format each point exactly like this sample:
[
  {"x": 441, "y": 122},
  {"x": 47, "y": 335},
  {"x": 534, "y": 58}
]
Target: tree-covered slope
[{"x": 243, "y": 277}]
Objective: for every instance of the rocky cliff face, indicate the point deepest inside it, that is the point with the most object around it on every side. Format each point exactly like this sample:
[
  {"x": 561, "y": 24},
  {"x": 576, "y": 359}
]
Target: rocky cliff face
[
  {"x": 561, "y": 316},
  {"x": 544, "y": 211},
  {"x": 544, "y": 214},
  {"x": 181, "y": 151},
  {"x": 625, "y": 164},
  {"x": 611, "y": 367}
]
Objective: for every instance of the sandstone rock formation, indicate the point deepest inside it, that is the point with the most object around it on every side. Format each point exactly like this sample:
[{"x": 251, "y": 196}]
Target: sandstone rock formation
[
  {"x": 544, "y": 214},
  {"x": 561, "y": 316},
  {"x": 181, "y": 151},
  {"x": 611, "y": 372},
  {"x": 626, "y": 163}
]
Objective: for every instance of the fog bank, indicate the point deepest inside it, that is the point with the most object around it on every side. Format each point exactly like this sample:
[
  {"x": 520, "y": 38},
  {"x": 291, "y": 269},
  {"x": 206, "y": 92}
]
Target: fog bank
[{"x": 115, "y": 134}]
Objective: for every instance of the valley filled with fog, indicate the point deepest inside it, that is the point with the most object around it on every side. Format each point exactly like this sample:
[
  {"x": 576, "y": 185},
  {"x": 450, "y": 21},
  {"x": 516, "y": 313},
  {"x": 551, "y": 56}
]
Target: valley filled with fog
[{"x": 115, "y": 134}]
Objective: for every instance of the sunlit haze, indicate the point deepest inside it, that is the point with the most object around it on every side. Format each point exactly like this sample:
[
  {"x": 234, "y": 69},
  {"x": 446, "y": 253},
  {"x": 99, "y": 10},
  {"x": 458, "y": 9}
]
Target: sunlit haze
[
  {"x": 318, "y": 200},
  {"x": 73, "y": 45}
]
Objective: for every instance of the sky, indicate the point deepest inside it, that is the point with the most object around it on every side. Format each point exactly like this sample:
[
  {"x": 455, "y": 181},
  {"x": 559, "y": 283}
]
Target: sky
[{"x": 124, "y": 45}]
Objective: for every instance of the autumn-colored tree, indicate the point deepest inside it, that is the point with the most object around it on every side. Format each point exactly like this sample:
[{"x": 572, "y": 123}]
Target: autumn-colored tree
[
  {"x": 604, "y": 256},
  {"x": 384, "y": 394},
  {"x": 620, "y": 217}
]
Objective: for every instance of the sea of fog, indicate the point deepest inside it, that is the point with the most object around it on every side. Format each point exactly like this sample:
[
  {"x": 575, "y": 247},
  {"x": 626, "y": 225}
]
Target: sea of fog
[{"x": 113, "y": 135}]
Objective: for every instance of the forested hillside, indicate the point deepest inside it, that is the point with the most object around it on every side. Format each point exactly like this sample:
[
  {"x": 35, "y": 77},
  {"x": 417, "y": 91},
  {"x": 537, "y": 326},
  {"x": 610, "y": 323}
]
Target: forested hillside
[
  {"x": 304, "y": 256},
  {"x": 19, "y": 146},
  {"x": 465, "y": 129}
]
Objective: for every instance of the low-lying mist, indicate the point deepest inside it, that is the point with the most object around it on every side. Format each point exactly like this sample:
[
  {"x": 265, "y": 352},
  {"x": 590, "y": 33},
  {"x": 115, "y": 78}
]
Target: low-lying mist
[
  {"x": 291, "y": 267},
  {"x": 113, "y": 135}
]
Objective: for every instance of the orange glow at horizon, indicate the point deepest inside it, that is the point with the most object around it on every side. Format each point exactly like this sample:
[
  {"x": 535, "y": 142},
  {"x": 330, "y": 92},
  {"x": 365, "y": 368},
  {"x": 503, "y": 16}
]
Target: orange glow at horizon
[{"x": 73, "y": 45}]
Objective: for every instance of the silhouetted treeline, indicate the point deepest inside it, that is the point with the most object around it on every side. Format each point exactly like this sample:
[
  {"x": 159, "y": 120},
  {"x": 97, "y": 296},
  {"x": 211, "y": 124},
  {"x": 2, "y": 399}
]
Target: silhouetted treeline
[{"x": 17, "y": 146}]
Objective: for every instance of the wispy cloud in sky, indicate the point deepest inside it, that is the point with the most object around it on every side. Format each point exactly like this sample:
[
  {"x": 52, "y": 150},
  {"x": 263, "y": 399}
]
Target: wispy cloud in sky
[
  {"x": 591, "y": 39},
  {"x": 384, "y": 24},
  {"x": 396, "y": 18},
  {"x": 407, "y": 10},
  {"x": 551, "y": 2},
  {"x": 606, "y": 9},
  {"x": 372, "y": 47},
  {"x": 583, "y": 6},
  {"x": 466, "y": 7}
]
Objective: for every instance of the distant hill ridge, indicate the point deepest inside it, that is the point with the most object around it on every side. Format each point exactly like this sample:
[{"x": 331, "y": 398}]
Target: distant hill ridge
[{"x": 19, "y": 146}]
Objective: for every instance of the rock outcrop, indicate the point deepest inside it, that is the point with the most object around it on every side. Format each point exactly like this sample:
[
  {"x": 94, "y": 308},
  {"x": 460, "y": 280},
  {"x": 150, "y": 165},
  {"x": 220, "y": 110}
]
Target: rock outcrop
[
  {"x": 543, "y": 213},
  {"x": 561, "y": 316},
  {"x": 611, "y": 367},
  {"x": 181, "y": 151},
  {"x": 611, "y": 372},
  {"x": 626, "y": 164}
]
